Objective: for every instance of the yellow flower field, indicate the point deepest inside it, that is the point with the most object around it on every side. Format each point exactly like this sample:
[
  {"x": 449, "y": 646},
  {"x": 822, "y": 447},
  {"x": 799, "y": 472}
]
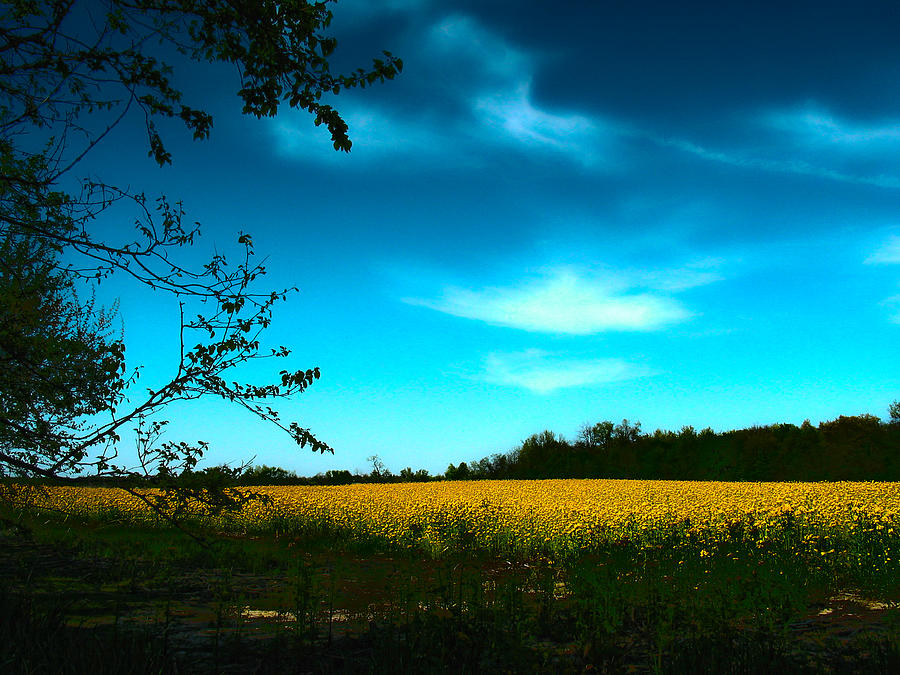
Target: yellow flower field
[{"x": 557, "y": 517}]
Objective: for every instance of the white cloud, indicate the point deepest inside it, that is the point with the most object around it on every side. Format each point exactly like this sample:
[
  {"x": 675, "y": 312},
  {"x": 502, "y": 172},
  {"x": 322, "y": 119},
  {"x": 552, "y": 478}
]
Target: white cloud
[
  {"x": 513, "y": 112},
  {"x": 367, "y": 8},
  {"x": 376, "y": 133},
  {"x": 693, "y": 275},
  {"x": 484, "y": 56},
  {"x": 479, "y": 71},
  {"x": 796, "y": 166},
  {"x": 888, "y": 253},
  {"x": 893, "y": 303},
  {"x": 542, "y": 372},
  {"x": 498, "y": 91},
  {"x": 825, "y": 147},
  {"x": 815, "y": 126},
  {"x": 568, "y": 300}
]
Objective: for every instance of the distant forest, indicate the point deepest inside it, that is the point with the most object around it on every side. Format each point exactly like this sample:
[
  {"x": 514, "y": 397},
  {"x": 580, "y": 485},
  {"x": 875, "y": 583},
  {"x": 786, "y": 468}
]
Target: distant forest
[
  {"x": 848, "y": 448},
  {"x": 859, "y": 448}
]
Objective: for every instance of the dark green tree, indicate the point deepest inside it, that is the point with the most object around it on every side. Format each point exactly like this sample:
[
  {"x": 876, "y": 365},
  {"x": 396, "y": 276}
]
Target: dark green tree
[
  {"x": 460, "y": 472},
  {"x": 407, "y": 475},
  {"x": 337, "y": 477},
  {"x": 854, "y": 447},
  {"x": 596, "y": 436},
  {"x": 544, "y": 455},
  {"x": 268, "y": 475},
  {"x": 58, "y": 362},
  {"x": 70, "y": 72}
]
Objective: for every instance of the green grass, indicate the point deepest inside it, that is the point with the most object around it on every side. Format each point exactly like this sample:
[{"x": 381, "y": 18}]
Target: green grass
[{"x": 105, "y": 596}]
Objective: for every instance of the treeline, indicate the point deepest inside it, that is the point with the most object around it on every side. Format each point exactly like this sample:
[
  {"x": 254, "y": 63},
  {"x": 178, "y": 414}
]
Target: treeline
[
  {"x": 226, "y": 476},
  {"x": 849, "y": 448},
  {"x": 858, "y": 447},
  {"x": 268, "y": 475}
]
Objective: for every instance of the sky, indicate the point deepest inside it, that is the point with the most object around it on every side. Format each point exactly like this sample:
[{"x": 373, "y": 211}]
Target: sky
[{"x": 559, "y": 213}]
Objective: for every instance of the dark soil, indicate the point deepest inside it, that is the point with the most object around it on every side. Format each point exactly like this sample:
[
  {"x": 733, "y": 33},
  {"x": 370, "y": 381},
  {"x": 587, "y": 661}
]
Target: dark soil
[{"x": 361, "y": 613}]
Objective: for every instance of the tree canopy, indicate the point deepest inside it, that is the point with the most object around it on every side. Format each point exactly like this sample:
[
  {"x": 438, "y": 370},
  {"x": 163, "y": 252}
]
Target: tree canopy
[
  {"x": 857, "y": 447},
  {"x": 70, "y": 72},
  {"x": 58, "y": 362}
]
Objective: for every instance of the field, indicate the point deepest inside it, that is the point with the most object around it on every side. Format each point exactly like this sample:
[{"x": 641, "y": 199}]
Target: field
[{"x": 501, "y": 576}]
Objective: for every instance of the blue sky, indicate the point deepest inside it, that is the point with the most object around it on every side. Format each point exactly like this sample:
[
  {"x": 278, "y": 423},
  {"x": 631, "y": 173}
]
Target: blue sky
[{"x": 560, "y": 213}]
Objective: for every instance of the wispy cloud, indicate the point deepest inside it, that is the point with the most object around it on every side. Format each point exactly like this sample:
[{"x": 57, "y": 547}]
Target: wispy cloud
[
  {"x": 376, "y": 133},
  {"x": 887, "y": 254},
  {"x": 513, "y": 113},
  {"x": 893, "y": 305},
  {"x": 544, "y": 372},
  {"x": 477, "y": 52},
  {"x": 813, "y": 125},
  {"x": 570, "y": 300},
  {"x": 810, "y": 141},
  {"x": 365, "y": 9},
  {"x": 796, "y": 166},
  {"x": 484, "y": 100},
  {"x": 499, "y": 94},
  {"x": 692, "y": 275}
]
